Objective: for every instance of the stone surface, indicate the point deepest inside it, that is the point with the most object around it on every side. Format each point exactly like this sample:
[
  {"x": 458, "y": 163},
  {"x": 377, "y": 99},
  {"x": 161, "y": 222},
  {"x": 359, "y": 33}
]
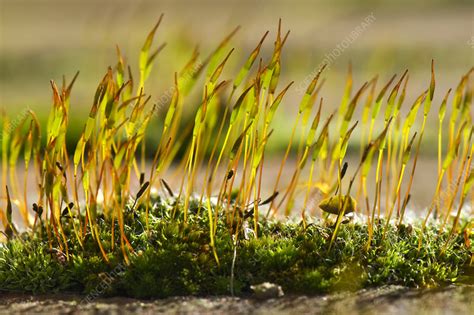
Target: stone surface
[
  {"x": 267, "y": 291},
  {"x": 388, "y": 300}
]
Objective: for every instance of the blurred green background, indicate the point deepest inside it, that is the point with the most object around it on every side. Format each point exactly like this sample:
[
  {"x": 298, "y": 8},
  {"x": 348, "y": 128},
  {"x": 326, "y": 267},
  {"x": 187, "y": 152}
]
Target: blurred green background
[{"x": 41, "y": 40}]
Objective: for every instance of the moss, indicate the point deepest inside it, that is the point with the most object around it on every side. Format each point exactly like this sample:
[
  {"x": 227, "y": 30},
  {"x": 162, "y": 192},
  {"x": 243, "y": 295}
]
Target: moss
[{"x": 175, "y": 259}]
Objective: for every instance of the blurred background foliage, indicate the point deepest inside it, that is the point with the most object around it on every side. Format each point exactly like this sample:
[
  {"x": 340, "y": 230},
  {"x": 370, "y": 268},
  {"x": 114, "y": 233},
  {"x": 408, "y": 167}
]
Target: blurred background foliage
[{"x": 42, "y": 40}]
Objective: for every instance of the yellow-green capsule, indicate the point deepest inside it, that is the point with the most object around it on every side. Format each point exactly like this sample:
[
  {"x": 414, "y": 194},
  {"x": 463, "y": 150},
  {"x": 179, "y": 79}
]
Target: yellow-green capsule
[{"x": 334, "y": 204}]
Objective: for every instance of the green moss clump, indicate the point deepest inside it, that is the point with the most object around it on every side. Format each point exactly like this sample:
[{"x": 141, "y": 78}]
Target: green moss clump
[{"x": 174, "y": 259}]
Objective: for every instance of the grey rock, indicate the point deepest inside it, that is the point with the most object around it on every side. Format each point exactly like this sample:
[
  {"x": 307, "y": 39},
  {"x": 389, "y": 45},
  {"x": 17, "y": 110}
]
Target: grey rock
[{"x": 267, "y": 290}]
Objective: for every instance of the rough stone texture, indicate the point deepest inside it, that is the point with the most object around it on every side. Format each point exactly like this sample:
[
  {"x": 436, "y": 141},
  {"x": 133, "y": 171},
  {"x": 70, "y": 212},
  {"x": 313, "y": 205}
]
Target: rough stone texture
[
  {"x": 389, "y": 300},
  {"x": 266, "y": 291}
]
